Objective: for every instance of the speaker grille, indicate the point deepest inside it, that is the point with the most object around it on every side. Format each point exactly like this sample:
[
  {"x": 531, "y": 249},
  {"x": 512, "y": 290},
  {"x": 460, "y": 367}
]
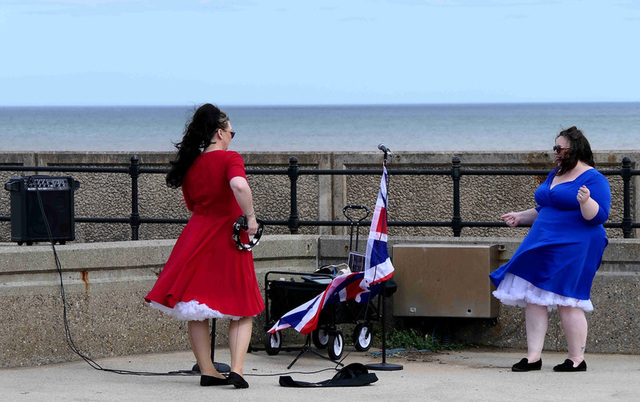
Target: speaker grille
[{"x": 27, "y": 220}]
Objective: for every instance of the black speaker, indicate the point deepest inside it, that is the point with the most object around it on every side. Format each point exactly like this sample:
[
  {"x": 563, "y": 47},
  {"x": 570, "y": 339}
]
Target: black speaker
[{"x": 35, "y": 197}]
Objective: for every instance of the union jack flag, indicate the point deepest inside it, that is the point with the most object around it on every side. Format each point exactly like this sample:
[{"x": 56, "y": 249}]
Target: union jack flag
[{"x": 360, "y": 286}]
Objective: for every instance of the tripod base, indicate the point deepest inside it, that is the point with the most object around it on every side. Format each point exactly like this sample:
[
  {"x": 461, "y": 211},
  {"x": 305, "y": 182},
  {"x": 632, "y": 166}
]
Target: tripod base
[
  {"x": 384, "y": 366},
  {"x": 307, "y": 348},
  {"x": 220, "y": 367}
]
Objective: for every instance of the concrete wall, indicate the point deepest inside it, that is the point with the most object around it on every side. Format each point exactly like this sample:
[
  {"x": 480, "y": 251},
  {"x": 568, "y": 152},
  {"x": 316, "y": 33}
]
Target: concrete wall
[
  {"x": 614, "y": 326},
  {"x": 106, "y": 281},
  {"x": 411, "y": 198},
  {"x": 105, "y": 284}
]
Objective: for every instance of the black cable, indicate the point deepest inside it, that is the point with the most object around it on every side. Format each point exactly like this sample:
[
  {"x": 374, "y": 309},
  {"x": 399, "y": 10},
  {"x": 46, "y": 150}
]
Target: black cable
[
  {"x": 67, "y": 330},
  {"x": 335, "y": 368},
  {"x": 90, "y": 361},
  {"x": 292, "y": 372}
]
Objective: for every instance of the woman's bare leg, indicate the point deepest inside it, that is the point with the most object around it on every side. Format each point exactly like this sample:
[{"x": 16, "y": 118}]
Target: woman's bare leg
[
  {"x": 575, "y": 328},
  {"x": 537, "y": 321},
  {"x": 239, "y": 339},
  {"x": 200, "y": 341}
]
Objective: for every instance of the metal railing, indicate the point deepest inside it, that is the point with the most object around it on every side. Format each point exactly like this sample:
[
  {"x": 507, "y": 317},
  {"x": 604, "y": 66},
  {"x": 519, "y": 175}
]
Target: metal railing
[{"x": 456, "y": 172}]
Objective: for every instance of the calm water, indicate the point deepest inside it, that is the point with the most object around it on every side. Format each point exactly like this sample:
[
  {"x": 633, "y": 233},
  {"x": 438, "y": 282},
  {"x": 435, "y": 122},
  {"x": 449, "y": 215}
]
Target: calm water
[{"x": 326, "y": 128}]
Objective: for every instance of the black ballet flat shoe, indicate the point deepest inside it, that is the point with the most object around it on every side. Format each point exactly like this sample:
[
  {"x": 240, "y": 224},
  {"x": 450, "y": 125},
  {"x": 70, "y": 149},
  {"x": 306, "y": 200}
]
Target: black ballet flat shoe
[
  {"x": 567, "y": 366},
  {"x": 524, "y": 365},
  {"x": 208, "y": 380},
  {"x": 237, "y": 381}
]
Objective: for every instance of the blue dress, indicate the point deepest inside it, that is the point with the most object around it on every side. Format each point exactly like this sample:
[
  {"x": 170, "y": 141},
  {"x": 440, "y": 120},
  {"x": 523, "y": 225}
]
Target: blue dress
[{"x": 562, "y": 251}]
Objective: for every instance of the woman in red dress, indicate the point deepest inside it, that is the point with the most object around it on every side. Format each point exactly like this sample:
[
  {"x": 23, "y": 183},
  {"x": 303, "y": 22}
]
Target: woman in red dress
[{"x": 206, "y": 275}]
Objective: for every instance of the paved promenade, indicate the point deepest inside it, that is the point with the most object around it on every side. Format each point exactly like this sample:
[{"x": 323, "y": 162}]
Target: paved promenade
[{"x": 472, "y": 375}]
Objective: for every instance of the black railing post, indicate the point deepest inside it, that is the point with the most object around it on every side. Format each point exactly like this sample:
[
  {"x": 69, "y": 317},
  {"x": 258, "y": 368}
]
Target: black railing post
[
  {"x": 134, "y": 172},
  {"x": 293, "y": 176},
  {"x": 456, "y": 222},
  {"x": 626, "y": 181}
]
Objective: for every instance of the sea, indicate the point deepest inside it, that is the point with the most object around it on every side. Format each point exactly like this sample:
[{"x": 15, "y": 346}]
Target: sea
[{"x": 402, "y": 128}]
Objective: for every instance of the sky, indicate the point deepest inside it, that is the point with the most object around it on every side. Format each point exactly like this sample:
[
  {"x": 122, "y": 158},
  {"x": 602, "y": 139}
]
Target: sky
[{"x": 308, "y": 52}]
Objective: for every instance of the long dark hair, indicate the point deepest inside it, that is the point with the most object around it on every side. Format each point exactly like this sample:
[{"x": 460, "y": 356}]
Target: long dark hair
[
  {"x": 579, "y": 150},
  {"x": 197, "y": 136}
]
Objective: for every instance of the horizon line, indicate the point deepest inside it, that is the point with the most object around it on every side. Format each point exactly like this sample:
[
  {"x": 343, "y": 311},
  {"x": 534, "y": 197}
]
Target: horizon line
[{"x": 320, "y": 104}]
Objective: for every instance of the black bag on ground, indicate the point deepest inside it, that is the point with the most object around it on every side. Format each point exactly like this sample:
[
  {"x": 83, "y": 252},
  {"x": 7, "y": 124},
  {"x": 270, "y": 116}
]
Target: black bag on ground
[{"x": 352, "y": 375}]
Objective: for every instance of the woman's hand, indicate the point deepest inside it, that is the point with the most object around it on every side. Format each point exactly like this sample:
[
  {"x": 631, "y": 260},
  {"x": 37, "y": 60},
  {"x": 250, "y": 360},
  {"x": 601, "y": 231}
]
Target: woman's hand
[
  {"x": 252, "y": 225},
  {"x": 588, "y": 206},
  {"x": 583, "y": 195},
  {"x": 512, "y": 219}
]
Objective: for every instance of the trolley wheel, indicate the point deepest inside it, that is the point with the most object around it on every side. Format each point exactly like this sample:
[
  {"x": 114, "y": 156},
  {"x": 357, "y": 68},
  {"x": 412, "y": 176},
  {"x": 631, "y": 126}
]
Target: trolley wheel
[
  {"x": 320, "y": 338},
  {"x": 362, "y": 337},
  {"x": 335, "y": 345},
  {"x": 272, "y": 343}
]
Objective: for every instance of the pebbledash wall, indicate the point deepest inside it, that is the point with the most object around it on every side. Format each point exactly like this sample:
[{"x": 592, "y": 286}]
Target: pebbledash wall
[
  {"x": 106, "y": 276},
  {"x": 411, "y": 198},
  {"x": 105, "y": 284}
]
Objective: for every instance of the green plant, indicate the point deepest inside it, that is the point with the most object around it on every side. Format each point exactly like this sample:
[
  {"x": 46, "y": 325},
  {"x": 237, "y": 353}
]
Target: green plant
[{"x": 415, "y": 340}]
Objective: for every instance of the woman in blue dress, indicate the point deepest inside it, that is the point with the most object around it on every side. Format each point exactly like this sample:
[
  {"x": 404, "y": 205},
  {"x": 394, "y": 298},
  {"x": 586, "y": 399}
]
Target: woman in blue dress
[{"x": 556, "y": 262}]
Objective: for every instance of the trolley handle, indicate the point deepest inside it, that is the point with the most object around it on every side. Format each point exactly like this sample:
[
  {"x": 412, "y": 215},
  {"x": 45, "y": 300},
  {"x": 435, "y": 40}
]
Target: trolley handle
[{"x": 354, "y": 207}]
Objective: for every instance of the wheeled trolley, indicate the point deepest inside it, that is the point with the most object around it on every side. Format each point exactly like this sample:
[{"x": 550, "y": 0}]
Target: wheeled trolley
[
  {"x": 289, "y": 290},
  {"x": 285, "y": 291}
]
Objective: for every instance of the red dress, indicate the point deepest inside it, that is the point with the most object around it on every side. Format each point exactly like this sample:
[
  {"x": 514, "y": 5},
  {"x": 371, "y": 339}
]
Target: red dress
[{"x": 206, "y": 276}]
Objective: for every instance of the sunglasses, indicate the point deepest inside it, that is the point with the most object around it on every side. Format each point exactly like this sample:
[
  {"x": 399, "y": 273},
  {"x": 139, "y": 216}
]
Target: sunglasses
[
  {"x": 558, "y": 148},
  {"x": 233, "y": 133}
]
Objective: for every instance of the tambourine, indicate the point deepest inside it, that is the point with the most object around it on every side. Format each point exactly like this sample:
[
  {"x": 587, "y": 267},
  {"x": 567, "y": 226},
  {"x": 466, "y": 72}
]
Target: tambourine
[{"x": 241, "y": 223}]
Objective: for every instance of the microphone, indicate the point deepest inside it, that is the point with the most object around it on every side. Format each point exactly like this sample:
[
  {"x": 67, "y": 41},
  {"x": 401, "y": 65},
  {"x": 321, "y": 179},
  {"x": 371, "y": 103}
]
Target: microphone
[{"x": 384, "y": 148}]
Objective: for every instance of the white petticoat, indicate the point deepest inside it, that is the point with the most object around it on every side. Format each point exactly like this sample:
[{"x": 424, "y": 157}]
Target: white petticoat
[
  {"x": 192, "y": 311},
  {"x": 515, "y": 291}
]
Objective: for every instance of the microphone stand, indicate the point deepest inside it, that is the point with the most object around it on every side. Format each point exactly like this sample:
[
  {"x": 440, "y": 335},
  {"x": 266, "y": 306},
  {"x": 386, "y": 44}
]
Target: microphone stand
[{"x": 384, "y": 366}]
